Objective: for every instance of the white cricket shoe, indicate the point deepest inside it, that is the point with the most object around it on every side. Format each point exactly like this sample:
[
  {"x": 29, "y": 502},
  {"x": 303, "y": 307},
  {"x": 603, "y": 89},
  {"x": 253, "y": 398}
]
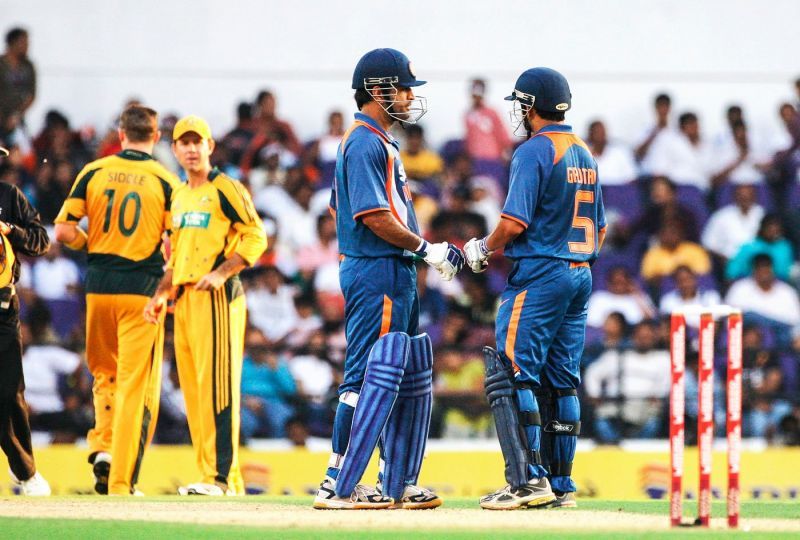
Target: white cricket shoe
[
  {"x": 362, "y": 498},
  {"x": 35, "y": 486},
  {"x": 202, "y": 488},
  {"x": 535, "y": 494},
  {"x": 416, "y": 498},
  {"x": 565, "y": 500}
]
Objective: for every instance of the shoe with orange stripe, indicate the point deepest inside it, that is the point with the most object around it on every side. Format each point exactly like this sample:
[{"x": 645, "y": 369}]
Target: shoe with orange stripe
[
  {"x": 416, "y": 498},
  {"x": 362, "y": 498}
]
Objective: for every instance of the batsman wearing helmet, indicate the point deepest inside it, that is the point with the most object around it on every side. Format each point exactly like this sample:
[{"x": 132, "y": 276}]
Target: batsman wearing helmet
[
  {"x": 216, "y": 233},
  {"x": 552, "y": 227},
  {"x": 386, "y": 393}
]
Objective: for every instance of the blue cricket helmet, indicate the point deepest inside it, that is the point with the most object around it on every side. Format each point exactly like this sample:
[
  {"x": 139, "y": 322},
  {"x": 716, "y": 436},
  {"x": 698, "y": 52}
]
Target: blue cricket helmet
[
  {"x": 543, "y": 88},
  {"x": 385, "y": 66}
]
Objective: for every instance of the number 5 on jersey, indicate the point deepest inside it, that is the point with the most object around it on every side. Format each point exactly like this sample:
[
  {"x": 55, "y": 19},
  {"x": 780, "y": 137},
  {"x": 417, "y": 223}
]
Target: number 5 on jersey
[
  {"x": 122, "y": 223},
  {"x": 585, "y": 223}
]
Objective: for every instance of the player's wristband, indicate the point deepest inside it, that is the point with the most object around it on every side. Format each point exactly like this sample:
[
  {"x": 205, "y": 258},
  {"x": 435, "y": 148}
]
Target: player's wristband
[
  {"x": 485, "y": 251},
  {"x": 80, "y": 240},
  {"x": 422, "y": 248}
]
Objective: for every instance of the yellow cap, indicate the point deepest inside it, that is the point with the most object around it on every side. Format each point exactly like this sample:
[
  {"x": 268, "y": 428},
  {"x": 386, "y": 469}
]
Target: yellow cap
[{"x": 189, "y": 124}]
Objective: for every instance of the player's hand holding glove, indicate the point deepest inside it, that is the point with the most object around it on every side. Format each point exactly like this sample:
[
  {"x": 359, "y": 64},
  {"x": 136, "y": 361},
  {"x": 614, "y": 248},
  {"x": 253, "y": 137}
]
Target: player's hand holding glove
[
  {"x": 446, "y": 258},
  {"x": 477, "y": 254}
]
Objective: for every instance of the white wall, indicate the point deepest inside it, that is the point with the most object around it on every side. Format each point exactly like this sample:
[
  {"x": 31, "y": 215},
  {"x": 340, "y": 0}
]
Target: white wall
[{"x": 203, "y": 56}]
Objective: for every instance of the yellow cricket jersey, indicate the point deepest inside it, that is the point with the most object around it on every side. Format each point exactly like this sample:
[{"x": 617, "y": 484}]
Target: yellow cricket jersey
[
  {"x": 209, "y": 224},
  {"x": 126, "y": 198}
]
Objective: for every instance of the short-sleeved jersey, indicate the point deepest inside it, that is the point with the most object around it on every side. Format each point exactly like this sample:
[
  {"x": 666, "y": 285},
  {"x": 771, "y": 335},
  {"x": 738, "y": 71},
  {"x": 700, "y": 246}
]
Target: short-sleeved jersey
[
  {"x": 369, "y": 178},
  {"x": 126, "y": 199},
  {"x": 210, "y": 223},
  {"x": 555, "y": 194}
]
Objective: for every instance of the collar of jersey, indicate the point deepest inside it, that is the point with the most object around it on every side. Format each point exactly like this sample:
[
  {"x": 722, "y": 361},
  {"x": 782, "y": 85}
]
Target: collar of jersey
[
  {"x": 555, "y": 128},
  {"x": 361, "y": 117},
  {"x": 213, "y": 174},
  {"x": 134, "y": 155}
]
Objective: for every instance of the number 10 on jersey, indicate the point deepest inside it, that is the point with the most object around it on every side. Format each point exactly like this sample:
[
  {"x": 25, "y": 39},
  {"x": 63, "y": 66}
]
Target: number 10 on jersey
[{"x": 130, "y": 198}]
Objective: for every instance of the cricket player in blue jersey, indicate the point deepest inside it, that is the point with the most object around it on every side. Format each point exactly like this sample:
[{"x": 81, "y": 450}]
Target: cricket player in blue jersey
[
  {"x": 386, "y": 394},
  {"x": 552, "y": 227}
]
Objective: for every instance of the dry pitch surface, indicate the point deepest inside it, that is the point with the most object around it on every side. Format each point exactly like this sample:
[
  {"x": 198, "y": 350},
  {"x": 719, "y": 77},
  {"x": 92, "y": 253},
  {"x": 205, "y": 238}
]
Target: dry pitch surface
[{"x": 272, "y": 514}]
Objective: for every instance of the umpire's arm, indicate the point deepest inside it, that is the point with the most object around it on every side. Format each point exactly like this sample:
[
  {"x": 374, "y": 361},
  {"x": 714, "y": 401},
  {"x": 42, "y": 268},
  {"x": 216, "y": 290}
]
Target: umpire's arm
[{"x": 27, "y": 236}]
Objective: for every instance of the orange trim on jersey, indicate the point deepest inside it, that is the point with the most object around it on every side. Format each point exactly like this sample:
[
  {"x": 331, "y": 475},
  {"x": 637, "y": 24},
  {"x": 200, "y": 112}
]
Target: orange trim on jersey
[
  {"x": 574, "y": 264},
  {"x": 512, "y": 218},
  {"x": 370, "y": 211},
  {"x": 511, "y": 336},
  {"x": 563, "y": 141},
  {"x": 390, "y": 187},
  {"x": 386, "y": 320}
]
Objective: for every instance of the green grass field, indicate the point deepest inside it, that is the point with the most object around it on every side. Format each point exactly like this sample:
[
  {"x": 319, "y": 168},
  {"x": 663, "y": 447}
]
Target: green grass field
[{"x": 767, "y": 517}]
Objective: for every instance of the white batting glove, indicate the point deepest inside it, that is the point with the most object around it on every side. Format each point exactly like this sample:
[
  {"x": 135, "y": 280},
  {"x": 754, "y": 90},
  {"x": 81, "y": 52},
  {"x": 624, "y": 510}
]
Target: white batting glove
[
  {"x": 477, "y": 255},
  {"x": 446, "y": 258}
]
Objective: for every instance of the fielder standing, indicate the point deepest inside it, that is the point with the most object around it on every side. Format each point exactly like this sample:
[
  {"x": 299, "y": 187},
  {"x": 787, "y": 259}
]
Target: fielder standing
[
  {"x": 216, "y": 233},
  {"x": 20, "y": 232},
  {"x": 552, "y": 227},
  {"x": 126, "y": 199},
  {"x": 386, "y": 393}
]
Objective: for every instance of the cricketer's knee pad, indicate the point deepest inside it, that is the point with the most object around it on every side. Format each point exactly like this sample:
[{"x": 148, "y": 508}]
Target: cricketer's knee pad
[
  {"x": 406, "y": 431},
  {"x": 561, "y": 429},
  {"x": 384, "y": 374},
  {"x": 499, "y": 386}
]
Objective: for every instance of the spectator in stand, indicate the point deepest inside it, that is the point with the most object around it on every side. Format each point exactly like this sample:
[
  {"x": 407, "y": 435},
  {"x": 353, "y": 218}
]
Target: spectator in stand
[
  {"x": 17, "y": 82},
  {"x": 769, "y": 240},
  {"x": 662, "y": 207},
  {"x": 737, "y": 160},
  {"x": 270, "y": 305},
  {"x": 652, "y": 136},
  {"x": 321, "y": 154},
  {"x": 46, "y": 367},
  {"x": 687, "y": 293},
  {"x": 325, "y": 250},
  {"x": 766, "y": 300},
  {"x": 629, "y": 388},
  {"x": 786, "y": 161},
  {"x": 313, "y": 373},
  {"x": 486, "y": 135},
  {"x": 57, "y": 142},
  {"x": 172, "y": 427},
  {"x": 238, "y": 139},
  {"x": 308, "y": 322},
  {"x": 615, "y": 336},
  {"x": 762, "y": 386},
  {"x": 268, "y": 389},
  {"x": 682, "y": 155},
  {"x": 615, "y": 162},
  {"x": 269, "y": 129},
  {"x": 420, "y": 162},
  {"x": 458, "y": 223},
  {"x": 459, "y": 394},
  {"x": 432, "y": 303},
  {"x": 55, "y": 277},
  {"x": 485, "y": 198},
  {"x": 622, "y": 295},
  {"x": 672, "y": 251},
  {"x": 733, "y": 225}
]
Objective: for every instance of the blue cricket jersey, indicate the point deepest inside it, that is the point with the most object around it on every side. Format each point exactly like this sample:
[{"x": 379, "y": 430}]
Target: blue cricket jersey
[
  {"x": 554, "y": 192},
  {"x": 369, "y": 178}
]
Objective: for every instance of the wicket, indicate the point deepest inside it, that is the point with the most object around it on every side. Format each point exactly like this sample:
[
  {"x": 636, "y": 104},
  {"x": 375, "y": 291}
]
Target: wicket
[{"x": 705, "y": 421}]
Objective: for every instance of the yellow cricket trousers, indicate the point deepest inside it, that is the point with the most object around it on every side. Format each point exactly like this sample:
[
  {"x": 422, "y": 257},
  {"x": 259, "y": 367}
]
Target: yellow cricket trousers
[
  {"x": 124, "y": 354},
  {"x": 209, "y": 344}
]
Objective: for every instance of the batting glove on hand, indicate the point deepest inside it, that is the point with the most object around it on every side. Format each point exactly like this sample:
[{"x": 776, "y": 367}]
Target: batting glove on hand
[
  {"x": 477, "y": 254},
  {"x": 446, "y": 258}
]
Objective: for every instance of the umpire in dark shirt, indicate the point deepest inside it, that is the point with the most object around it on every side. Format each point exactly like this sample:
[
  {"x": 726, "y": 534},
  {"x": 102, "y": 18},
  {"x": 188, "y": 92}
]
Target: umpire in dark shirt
[{"x": 19, "y": 223}]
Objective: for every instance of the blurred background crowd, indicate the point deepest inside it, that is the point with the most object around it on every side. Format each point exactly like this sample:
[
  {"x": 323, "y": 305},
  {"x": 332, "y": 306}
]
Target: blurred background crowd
[{"x": 694, "y": 217}]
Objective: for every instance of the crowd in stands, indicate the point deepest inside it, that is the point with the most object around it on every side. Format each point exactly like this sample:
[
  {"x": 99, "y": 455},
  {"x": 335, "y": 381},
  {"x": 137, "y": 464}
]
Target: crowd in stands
[{"x": 694, "y": 217}]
